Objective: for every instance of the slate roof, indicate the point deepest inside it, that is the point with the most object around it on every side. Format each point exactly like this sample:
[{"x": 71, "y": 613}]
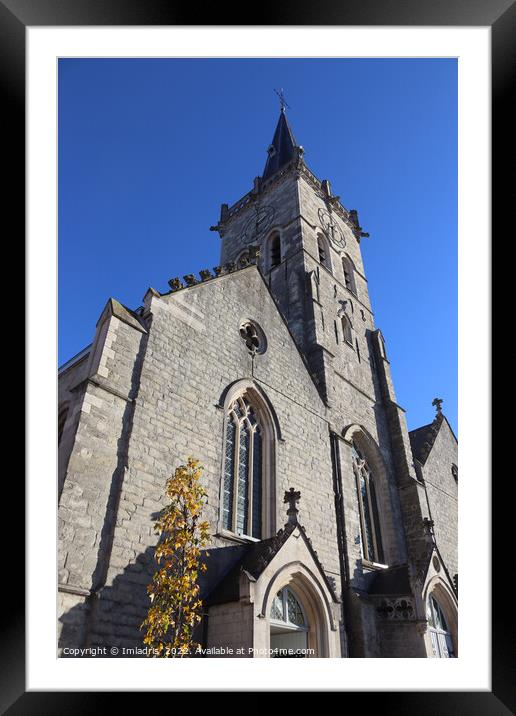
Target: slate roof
[{"x": 283, "y": 144}]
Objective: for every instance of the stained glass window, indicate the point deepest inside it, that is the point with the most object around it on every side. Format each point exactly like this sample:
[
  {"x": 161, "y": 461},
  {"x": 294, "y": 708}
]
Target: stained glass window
[
  {"x": 286, "y": 608},
  {"x": 277, "y": 608},
  {"x": 295, "y": 615},
  {"x": 368, "y": 507},
  {"x": 229, "y": 463},
  {"x": 243, "y": 468},
  {"x": 243, "y": 482},
  {"x": 257, "y": 484}
]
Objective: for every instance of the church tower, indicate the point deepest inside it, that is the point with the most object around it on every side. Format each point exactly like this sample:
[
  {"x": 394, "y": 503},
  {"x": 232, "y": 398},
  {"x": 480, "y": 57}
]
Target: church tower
[
  {"x": 310, "y": 256},
  {"x": 309, "y": 251}
]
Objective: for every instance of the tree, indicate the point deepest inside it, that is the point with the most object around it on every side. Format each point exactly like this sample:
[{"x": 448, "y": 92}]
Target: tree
[{"x": 174, "y": 592}]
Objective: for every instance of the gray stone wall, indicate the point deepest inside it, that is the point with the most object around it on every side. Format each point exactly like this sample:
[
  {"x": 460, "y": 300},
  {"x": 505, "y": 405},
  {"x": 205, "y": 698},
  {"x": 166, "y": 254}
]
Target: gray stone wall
[
  {"x": 96, "y": 466},
  {"x": 442, "y": 491},
  {"x": 193, "y": 353},
  {"x": 152, "y": 392}
]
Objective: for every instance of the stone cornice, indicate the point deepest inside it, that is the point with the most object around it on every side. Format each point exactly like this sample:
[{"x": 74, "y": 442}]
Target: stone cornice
[{"x": 301, "y": 170}]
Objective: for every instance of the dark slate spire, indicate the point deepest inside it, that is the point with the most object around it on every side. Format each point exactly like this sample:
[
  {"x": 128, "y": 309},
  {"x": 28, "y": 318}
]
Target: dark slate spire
[{"x": 281, "y": 151}]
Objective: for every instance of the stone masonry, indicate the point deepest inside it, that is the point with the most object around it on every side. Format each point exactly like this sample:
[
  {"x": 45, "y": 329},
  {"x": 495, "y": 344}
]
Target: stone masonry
[{"x": 152, "y": 389}]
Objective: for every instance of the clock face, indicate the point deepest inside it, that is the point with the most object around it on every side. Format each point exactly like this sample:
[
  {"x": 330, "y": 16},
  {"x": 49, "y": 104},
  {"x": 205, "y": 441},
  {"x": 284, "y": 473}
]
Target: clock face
[
  {"x": 258, "y": 223},
  {"x": 331, "y": 229}
]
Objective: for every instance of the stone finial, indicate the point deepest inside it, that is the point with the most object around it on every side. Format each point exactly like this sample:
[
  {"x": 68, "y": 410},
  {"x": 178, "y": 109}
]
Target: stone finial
[
  {"x": 190, "y": 279},
  {"x": 291, "y": 497},
  {"x": 175, "y": 284},
  {"x": 217, "y": 270},
  {"x": 205, "y": 274},
  {"x": 437, "y": 403}
]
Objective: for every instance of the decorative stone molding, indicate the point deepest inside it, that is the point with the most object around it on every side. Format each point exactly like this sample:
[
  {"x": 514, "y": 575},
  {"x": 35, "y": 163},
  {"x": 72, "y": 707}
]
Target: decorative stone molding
[{"x": 398, "y": 609}]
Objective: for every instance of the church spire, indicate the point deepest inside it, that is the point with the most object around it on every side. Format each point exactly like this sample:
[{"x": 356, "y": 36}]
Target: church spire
[{"x": 281, "y": 151}]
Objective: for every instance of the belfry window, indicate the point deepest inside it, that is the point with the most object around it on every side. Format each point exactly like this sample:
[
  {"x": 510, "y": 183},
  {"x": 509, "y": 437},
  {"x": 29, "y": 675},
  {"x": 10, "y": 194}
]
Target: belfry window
[
  {"x": 323, "y": 252},
  {"x": 349, "y": 277},
  {"x": 275, "y": 250},
  {"x": 243, "y": 471},
  {"x": 368, "y": 508}
]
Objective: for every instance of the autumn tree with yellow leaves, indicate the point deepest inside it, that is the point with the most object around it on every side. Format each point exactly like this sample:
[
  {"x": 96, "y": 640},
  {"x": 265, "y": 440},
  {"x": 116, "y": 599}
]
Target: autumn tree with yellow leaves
[{"x": 175, "y": 607}]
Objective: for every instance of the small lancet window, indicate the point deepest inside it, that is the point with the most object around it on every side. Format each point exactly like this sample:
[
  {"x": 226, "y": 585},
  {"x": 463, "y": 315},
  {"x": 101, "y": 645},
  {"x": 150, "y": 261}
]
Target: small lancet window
[
  {"x": 347, "y": 330},
  {"x": 368, "y": 508},
  {"x": 275, "y": 250},
  {"x": 349, "y": 275},
  {"x": 323, "y": 254},
  {"x": 243, "y": 471}
]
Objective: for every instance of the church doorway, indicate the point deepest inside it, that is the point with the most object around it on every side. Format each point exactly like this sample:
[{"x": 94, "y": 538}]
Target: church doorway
[
  {"x": 440, "y": 634},
  {"x": 289, "y": 626}
]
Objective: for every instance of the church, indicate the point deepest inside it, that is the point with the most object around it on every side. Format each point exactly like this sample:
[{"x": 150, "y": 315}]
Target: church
[{"x": 334, "y": 528}]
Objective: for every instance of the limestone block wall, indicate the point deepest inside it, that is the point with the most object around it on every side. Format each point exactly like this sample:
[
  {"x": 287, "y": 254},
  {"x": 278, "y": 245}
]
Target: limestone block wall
[
  {"x": 442, "y": 492},
  {"x": 69, "y": 400},
  {"x": 193, "y": 353},
  {"x": 231, "y": 626},
  {"x": 96, "y": 466}
]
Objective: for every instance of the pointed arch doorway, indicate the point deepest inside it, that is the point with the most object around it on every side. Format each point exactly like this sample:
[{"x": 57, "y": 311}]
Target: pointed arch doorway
[
  {"x": 440, "y": 634},
  {"x": 289, "y": 626}
]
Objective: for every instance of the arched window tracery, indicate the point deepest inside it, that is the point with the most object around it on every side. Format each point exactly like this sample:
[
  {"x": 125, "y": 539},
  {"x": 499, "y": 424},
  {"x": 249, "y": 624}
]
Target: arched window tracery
[
  {"x": 243, "y": 479},
  {"x": 368, "y": 507}
]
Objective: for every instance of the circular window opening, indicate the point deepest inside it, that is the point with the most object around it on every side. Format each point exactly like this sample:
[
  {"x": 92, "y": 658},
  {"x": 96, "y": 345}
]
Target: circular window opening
[{"x": 253, "y": 337}]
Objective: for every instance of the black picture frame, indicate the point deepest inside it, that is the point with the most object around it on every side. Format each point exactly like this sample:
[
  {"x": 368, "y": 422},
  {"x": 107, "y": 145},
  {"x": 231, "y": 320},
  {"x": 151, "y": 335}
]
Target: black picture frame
[{"x": 500, "y": 16}]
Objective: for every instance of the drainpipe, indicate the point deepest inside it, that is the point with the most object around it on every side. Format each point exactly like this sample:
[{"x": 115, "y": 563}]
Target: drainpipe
[{"x": 341, "y": 537}]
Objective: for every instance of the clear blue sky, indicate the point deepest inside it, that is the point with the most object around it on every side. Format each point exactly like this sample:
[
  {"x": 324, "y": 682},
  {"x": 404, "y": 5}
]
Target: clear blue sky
[{"x": 150, "y": 148}]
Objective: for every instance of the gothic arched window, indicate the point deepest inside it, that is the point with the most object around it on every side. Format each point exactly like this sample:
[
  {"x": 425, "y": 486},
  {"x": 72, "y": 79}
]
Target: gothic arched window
[
  {"x": 347, "y": 330},
  {"x": 243, "y": 471},
  {"x": 440, "y": 634},
  {"x": 289, "y": 628},
  {"x": 349, "y": 274},
  {"x": 274, "y": 250},
  {"x": 368, "y": 508}
]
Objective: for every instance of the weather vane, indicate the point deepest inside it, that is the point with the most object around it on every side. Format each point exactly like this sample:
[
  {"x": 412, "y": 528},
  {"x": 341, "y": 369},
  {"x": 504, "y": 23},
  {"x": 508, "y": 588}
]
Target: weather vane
[{"x": 283, "y": 103}]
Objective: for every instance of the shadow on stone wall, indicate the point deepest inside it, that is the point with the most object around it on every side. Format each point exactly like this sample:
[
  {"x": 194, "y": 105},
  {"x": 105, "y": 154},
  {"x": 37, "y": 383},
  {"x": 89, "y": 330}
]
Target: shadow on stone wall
[{"x": 112, "y": 618}]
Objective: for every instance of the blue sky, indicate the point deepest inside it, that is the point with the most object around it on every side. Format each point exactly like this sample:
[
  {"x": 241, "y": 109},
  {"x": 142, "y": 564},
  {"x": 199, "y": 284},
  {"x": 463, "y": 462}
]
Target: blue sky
[{"x": 150, "y": 148}]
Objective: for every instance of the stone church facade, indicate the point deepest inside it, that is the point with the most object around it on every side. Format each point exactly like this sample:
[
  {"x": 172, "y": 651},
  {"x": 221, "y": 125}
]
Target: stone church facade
[{"x": 334, "y": 527}]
